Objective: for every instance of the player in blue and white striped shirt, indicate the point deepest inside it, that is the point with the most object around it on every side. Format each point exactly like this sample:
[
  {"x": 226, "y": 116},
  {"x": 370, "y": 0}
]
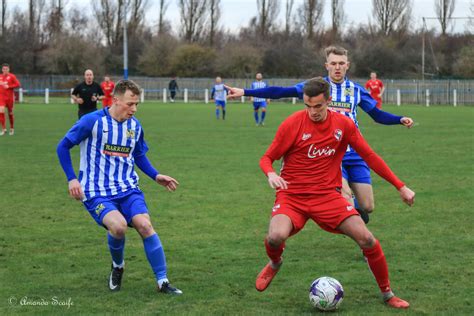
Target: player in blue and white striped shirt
[
  {"x": 259, "y": 103},
  {"x": 219, "y": 94},
  {"x": 111, "y": 143}
]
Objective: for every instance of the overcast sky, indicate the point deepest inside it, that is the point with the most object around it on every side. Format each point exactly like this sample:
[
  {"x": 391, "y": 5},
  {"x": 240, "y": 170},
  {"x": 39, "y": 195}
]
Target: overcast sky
[{"x": 237, "y": 13}]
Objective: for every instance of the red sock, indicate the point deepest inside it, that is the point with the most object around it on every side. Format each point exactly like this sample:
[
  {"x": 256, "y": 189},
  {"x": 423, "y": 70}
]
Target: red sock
[
  {"x": 2, "y": 120},
  {"x": 12, "y": 119},
  {"x": 378, "y": 266},
  {"x": 274, "y": 253}
]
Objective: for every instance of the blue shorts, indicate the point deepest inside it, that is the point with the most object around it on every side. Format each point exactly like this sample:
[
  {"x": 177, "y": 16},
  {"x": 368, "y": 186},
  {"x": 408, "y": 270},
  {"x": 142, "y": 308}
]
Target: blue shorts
[
  {"x": 220, "y": 103},
  {"x": 258, "y": 105},
  {"x": 128, "y": 205},
  {"x": 356, "y": 171}
]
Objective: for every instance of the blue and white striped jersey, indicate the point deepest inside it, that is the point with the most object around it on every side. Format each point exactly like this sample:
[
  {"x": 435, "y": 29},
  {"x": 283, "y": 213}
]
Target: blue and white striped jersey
[
  {"x": 108, "y": 148},
  {"x": 219, "y": 92},
  {"x": 259, "y": 85},
  {"x": 346, "y": 97}
]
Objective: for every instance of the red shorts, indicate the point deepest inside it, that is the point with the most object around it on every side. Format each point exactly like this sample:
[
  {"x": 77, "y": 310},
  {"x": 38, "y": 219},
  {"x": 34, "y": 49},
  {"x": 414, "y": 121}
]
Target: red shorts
[
  {"x": 327, "y": 210},
  {"x": 106, "y": 102}
]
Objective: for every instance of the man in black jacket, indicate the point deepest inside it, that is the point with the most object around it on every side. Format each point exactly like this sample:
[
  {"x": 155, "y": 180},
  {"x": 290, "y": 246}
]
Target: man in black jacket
[{"x": 86, "y": 94}]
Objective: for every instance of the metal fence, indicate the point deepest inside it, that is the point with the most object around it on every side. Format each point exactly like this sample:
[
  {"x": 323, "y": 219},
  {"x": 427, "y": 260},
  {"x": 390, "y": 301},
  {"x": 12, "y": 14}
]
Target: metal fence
[{"x": 427, "y": 92}]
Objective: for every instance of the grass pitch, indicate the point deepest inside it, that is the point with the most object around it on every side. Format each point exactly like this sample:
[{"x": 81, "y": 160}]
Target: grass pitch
[{"x": 54, "y": 258}]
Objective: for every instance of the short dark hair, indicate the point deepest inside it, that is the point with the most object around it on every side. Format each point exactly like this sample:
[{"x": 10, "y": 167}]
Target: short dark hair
[
  {"x": 315, "y": 86},
  {"x": 336, "y": 50},
  {"x": 124, "y": 85},
  {"x": 5, "y": 65}
]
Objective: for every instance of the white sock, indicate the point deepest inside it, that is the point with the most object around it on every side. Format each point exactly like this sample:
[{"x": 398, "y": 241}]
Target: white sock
[
  {"x": 120, "y": 266},
  {"x": 161, "y": 281}
]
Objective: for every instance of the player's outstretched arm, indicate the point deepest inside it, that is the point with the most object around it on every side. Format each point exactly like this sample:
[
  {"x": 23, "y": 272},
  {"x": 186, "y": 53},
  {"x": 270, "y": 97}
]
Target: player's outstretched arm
[
  {"x": 407, "y": 195},
  {"x": 234, "y": 92},
  {"x": 168, "y": 182}
]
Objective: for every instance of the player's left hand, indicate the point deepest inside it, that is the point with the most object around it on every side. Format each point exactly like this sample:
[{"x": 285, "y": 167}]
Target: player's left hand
[
  {"x": 407, "y": 195},
  {"x": 168, "y": 182},
  {"x": 407, "y": 121},
  {"x": 234, "y": 92}
]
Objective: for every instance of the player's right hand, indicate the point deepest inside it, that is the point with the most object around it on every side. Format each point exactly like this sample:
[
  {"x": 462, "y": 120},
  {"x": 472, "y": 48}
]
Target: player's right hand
[
  {"x": 276, "y": 182},
  {"x": 79, "y": 100},
  {"x": 407, "y": 195},
  {"x": 75, "y": 190},
  {"x": 234, "y": 92}
]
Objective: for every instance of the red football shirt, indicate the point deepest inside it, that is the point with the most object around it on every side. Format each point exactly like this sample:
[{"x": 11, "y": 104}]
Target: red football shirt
[
  {"x": 375, "y": 86},
  {"x": 12, "y": 82},
  {"x": 312, "y": 153},
  {"x": 108, "y": 88}
]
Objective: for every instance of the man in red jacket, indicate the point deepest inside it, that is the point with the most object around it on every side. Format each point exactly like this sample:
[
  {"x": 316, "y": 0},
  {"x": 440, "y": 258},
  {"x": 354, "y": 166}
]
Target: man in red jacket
[
  {"x": 9, "y": 82},
  {"x": 312, "y": 143}
]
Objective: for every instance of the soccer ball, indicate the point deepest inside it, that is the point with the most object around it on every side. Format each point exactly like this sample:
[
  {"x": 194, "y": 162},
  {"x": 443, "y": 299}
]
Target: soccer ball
[{"x": 326, "y": 293}]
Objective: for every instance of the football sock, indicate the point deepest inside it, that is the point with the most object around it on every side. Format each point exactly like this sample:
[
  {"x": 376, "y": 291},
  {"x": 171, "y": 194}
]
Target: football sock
[
  {"x": 217, "y": 113},
  {"x": 274, "y": 253},
  {"x": 11, "y": 118},
  {"x": 2, "y": 120},
  {"x": 255, "y": 115},
  {"x": 378, "y": 266},
  {"x": 263, "y": 116},
  {"x": 223, "y": 114},
  {"x": 156, "y": 256},
  {"x": 116, "y": 247}
]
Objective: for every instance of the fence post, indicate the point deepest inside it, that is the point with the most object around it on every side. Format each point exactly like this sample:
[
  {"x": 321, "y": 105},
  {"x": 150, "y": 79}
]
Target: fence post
[
  {"x": 455, "y": 97},
  {"x": 206, "y": 96},
  {"x": 72, "y": 100},
  {"x": 186, "y": 95},
  {"x": 399, "y": 97},
  {"x": 242, "y": 99},
  {"x": 20, "y": 95},
  {"x": 164, "y": 96},
  {"x": 46, "y": 96},
  {"x": 293, "y": 100},
  {"x": 142, "y": 96},
  {"x": 427, "y": 97}
]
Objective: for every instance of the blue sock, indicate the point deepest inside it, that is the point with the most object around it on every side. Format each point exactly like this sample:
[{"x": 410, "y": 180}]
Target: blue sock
[
  {"x": 116, "y": 247},
  {"x": 263, "y": 116},
  {"x": 217, "y": 113},
  {"x": 255, "y": 114},
  {"x": 156, "y": 256}
]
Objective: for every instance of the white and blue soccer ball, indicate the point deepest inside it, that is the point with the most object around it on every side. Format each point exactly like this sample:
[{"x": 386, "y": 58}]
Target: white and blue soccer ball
[{"x": 326, "y": 293}]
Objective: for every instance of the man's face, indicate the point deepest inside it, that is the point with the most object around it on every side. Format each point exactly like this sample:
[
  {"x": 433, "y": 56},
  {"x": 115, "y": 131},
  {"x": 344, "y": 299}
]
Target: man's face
[
  {"x": 337, "y": 66},
  {"x": 316, "y": 107},
  {"x": 258, "y": 76},
  {"x": 218, "y": 80},
  {"x": 5, "y": 70},
  {"x": 88, "y": 76},
  {"x": 106, "y": 79},
  {"x": 126, "y": 105},
  {"x": 373, "y": 75}
]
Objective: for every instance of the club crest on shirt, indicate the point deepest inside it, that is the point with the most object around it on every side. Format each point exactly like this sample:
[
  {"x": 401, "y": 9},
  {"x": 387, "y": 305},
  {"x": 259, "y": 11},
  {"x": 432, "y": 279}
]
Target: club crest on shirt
[
  {"x": 338, "y": 134},
  {"x": 130, "y": 133},
  {"x": 349, "y": 92},
  {"x": 275, "y": 208},
  {"x": 306, "y": 136}
]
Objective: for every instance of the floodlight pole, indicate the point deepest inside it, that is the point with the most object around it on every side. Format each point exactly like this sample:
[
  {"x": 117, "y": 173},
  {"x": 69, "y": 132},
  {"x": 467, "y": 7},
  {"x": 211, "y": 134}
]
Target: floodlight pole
[
  {"x": 125, "y": 45},
  {"x": 423, "y": 51}
]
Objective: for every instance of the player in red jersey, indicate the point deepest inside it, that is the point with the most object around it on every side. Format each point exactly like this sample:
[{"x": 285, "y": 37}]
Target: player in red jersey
[
  {"x": 376, "y": 89},
  {"x": 9, "y": 82},
  {"x": 312, "y": 143},
  {"x": 108, "y": 87}
]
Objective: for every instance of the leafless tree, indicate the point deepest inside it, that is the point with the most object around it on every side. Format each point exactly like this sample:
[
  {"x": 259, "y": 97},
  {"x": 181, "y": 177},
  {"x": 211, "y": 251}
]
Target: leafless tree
[
  {"x": 214, "y": 16},
  {"x": 288, "y": 15},
  {"x": 267, "y": 12},
  {"x": 56, "y": 17},
  {"x": 161, "y": 19},
  {"x": 310, "y": 13},
  {"x": 4, "y": 15},
  {"x": 193, "y": 18},
  {"x": 137, "y": 16},
  {"x": 444, "y": 10},
  {"x": 337, "y": 15},
  {"x": 391, "y": 15}
]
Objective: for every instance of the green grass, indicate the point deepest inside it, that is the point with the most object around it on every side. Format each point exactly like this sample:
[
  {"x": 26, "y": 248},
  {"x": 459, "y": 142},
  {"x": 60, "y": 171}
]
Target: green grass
[{"x": 213, "y": 227}]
